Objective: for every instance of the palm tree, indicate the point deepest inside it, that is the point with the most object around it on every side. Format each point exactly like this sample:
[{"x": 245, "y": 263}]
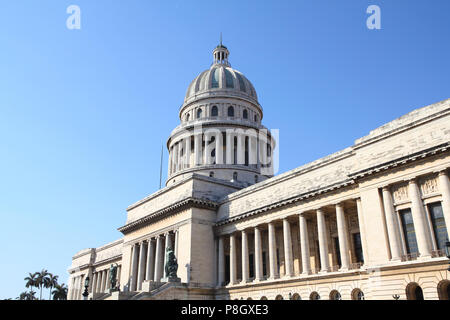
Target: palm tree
[
  {"x": 60, "y": 292},
  {"x": 31, "y": 280},
  {"x": 40, "y": 280},
  {"x": 31, "y": 295},
  {"x": 23, "y": 296},
  {"x": 50, "y": 282}
]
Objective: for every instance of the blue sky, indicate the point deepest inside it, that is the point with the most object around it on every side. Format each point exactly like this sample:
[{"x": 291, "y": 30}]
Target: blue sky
[{"x": 83, "y": 113}]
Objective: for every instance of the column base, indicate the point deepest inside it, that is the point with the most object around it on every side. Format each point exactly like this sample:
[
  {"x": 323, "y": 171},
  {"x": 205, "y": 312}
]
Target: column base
[
  {"x": 274, "y": 278},
  {"x": 343, "y": 269},
  {"x": 256, "y": 280},
  {"x": 324, "y": 271},
  {"x": 244, "y": 282},
  {"x": 306, "y": 273}
]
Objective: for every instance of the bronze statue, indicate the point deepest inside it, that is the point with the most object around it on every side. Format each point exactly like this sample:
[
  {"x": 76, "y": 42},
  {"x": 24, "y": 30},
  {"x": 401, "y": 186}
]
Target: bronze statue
[
  {"x": 171, "y": 266},
  {"x": 113, "y": 276}
]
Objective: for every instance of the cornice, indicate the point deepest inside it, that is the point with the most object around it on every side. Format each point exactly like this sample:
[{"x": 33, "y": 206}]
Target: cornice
[
  {"x": 169, "y": 210},
  {"x": 286, "y": 202},
  {"x": 401, "y": 161}
]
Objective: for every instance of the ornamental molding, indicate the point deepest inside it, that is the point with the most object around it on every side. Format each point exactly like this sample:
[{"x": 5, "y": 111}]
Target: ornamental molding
[
  {"x": 190, "y": 202},
  {"x": 429, "y": 185}
]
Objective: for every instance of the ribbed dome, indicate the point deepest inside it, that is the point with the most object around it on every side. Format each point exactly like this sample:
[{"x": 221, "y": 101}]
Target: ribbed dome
[{"x": 221, "y": 78}]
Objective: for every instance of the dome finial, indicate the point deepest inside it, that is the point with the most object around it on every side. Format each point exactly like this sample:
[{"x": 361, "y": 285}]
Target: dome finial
[{"x": 221, "y": 53}]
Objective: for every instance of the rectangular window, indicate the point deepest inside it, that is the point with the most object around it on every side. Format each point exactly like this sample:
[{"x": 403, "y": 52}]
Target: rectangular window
[
  {"x": 438, "y": 222},
  {"x": 251, "y": 265},
  {"x": 408, "y": 231},
  {"x": 264, "y": 263},
  {"x": 338, "y": 251},
  {"x": 358, "y": 247}
]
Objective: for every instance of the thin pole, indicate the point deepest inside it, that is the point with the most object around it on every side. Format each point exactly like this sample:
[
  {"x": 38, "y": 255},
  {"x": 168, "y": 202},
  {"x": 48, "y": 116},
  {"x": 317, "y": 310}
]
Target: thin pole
[{"x": 160, "y": 166}]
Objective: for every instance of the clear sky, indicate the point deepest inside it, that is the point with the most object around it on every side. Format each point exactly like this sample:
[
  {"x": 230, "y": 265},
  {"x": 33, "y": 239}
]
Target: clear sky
[{"x": 83, "y": 113}]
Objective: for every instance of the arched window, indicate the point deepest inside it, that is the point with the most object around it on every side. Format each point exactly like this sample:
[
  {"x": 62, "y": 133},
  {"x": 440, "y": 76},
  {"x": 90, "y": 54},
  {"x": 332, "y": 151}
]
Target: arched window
[
  {"x": 199, "y": 113},
  {"x": 214, "y": 111},
  {"x": 296, "y": 296},
  {"x": 414, "y": 291},
  {"x": 335, "y": 295},
  {"x": 279, "y": 297},
  {"x": 444, "y": 290},
  {"x": 314, "y": 296},
  {"x": 263, "y": 298},
  {"x": 211, "y": 174},
  {"x": 256, "y": 178},
  {"x": 357, "y": 294},
  {"x": 235, "y": 176},
  {"x": 187, "y": 117},
  {"x": 230, "y": 111},
  {"x": 256, "y": 118},
  {"x": 245, "y": 114}
]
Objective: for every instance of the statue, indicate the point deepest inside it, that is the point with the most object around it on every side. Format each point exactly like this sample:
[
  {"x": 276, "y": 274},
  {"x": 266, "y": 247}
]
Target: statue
[
  {"x": 113, "y": 276},
  {"x": 171, "y": 266}
]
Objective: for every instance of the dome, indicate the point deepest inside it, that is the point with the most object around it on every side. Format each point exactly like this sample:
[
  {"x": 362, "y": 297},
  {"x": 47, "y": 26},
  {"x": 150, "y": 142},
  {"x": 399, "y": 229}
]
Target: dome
[{"x": 220, "y": 78}]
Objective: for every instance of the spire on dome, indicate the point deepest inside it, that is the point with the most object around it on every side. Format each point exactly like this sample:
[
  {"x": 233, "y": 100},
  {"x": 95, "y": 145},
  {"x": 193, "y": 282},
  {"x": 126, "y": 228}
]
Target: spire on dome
[{"x": 221, "y": 54}]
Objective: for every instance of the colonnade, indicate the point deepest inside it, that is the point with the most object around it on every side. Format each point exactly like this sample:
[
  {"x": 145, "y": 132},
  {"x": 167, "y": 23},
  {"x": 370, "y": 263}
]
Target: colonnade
[
  {"x": 148, "y": 259},
  {"x": 77, "y": 288},
  {"x": 419, "y": 217},
  {"x": 304, "y": 237},
  {"x": 100, "y": 281},
  {"x": 230, "y": 147}
]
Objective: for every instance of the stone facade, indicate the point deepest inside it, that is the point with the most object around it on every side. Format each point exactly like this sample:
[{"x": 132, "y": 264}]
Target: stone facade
[{"x": 367, "y": 222}]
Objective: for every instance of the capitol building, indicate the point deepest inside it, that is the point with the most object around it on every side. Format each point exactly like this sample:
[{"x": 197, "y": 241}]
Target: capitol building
[{"x": 368, "y": 222}]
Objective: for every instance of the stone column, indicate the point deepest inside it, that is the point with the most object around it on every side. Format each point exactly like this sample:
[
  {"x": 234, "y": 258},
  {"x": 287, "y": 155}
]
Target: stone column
[
  {"x": 229, "y": 148},
  {"x": 141, "y": 269},
  {"x": 419, "y": 220},
  {"x": 180, "y": 154},
  {"x": 207, "y": 150},
  {"x": 158, "y": 260},
  {"x": 392, "y": 225},
  {"x": 150, "y": 270},
  {"x": 245, "y": 262},
  {"x": 175, "y": 249},
  {"x": 273, "y": 260},
  {"x": 362, "y": 230},
  {"x": 343, "y": 237},
  {"x": 323, "y": 241},
  {"x": 175, "y": 157},
  {"x": 240, "y": 148},
  {"x": 94, "y": 282},
  {"x": 252, "y": 151},
  {"x": 444, "y": 188},
  {"x": 287, "y": 239},
  {"x": 169, "y": 167},
  {"x": 304, "y": 245},
  {"x": 99, "y": 282},
  {"x": 258, "y": 255},
  {"x": 221, "y": 263},
  {"x": 104, "y": 279},
  {"x": 233, "y": 269},
  {"x": 187, "y": 154},
  {"x": 134, "y": 267},
  {"x": 219, "y": 148},
  {"x": 262, "y": 152},
  {"x": 107, "y": 283},
  {"x": 198, "y": 149}
]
